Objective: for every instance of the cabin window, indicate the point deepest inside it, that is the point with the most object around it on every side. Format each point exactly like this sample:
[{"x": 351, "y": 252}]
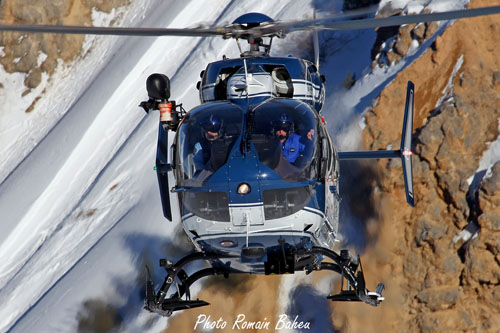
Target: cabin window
[
  {"x": 267, "y": 80},
  {"x": 204, "y": 141},
  {"x": 284, "y": 134},
  {"x": 282, "y": 81},
  {"x": 250, "y": 83}
]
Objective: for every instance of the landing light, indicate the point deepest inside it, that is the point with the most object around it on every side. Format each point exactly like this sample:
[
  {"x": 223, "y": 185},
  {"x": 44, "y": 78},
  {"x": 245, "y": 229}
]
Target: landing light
[
  {"x": 227, "y": 243},
  {"x": 243, "y": 188}
]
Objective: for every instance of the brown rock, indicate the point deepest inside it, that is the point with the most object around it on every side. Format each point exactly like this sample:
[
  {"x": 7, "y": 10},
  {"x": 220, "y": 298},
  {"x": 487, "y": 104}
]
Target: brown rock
[
  {"x": 388, "y": 10},
  {"x": 404, "y": 40},
  {"x": 439, "y": 298},
  {"x": 427, "y": 231},
  {"x": 419, "y": 32},
  {"x": 33, "y": 79},
  {"x": 481, "y": 266},
  {"x": 491, "y": 222},
  {"x": 491, "y": 185},
  {"x": 430, "y": 29},
  {"x": 496, "y": 78},
  {"x": 40, "y": 11},
  {"x": 445, "y": 321},
  {"x": 392, "y": 57},
  {"x": 443, "y": 287},
  {"x": 22, "y": 51}
]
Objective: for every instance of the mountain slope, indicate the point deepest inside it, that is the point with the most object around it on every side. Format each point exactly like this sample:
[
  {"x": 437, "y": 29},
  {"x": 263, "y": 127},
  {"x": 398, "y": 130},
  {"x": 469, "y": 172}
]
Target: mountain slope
[{"x": 435, "y": 280}]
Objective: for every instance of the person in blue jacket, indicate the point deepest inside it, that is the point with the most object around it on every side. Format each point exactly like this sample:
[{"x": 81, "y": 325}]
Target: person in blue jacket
[{"x": 292, "y": 144}]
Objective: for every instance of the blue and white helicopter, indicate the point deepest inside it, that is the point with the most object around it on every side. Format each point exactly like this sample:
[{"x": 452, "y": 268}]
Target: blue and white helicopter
[{"x": 251, "y": 202}]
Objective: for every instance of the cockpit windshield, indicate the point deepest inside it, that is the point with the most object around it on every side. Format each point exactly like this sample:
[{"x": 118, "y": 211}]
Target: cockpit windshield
[
  {"x": 284, "y": 134},
  {"x": 205, "y": 140}
]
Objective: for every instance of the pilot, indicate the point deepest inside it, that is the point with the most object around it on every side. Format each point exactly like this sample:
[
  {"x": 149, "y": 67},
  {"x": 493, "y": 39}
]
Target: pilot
[
  {"x": 292, "y": 145},
  {"x": 211, "y": 133}
]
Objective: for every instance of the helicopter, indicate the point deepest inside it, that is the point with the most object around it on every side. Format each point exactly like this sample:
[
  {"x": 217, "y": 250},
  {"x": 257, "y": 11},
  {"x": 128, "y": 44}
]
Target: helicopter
[{"x": 278, "y": 216}]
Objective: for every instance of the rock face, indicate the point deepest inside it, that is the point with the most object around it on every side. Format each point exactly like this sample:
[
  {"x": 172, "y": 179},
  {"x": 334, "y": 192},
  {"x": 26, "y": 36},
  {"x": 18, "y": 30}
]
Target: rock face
[
  {"x": 36, "y": 53},
  {"x": 433, "y": 281},
  {"x": 393, "y": 43}
]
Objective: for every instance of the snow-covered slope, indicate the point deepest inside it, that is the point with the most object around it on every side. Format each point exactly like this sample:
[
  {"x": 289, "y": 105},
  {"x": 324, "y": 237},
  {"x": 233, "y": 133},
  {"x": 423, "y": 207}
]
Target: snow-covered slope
[
  {"x": 83, "y": 207},
  {"x": 79, "y": 204}
]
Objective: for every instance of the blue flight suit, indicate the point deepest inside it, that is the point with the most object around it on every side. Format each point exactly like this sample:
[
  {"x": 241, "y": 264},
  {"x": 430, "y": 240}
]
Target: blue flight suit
[
  {"x": 201, "y": 154},
  {"x": 292, "y": 147}
]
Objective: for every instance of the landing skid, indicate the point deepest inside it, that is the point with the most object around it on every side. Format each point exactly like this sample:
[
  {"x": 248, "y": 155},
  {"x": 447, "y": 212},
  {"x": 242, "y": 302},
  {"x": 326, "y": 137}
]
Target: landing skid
[
  {"x": 159, "y": 303},
  {"x": 307, "y": 259},
  {"x": 349, "y": 266}
]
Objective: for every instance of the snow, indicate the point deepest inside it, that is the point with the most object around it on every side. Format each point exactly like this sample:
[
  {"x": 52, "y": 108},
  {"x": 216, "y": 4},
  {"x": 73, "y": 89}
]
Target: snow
[
  {"x": 416, "y": 6},
  {"x": 488, "y": 160},
  {"x": 448, "y": 89},
  {"x": 78, "y": 195}
]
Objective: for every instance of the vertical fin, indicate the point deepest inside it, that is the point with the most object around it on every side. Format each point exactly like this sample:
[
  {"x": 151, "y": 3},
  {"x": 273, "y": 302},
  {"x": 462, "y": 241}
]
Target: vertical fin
[
  {"x": 404, "y": 152},
  {"x": 406, "y": 139}
]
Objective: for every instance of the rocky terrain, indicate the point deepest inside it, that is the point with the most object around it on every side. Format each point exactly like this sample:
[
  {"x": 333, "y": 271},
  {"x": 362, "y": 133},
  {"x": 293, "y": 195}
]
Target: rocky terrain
[
  {"x": 435, "y": 280},
  {"x": 34, "y": 54}
]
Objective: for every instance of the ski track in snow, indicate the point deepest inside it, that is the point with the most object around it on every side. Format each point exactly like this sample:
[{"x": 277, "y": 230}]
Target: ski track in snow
[{"x": 78, "y": 195}]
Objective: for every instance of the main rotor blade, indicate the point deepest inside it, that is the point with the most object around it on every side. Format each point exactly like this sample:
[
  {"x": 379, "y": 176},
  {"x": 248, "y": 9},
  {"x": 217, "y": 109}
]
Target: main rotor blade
[
  {"x": 116, "y": 31},
  {"x": 339, "y": 22},
  {"x": 229, "y": 31},
  {"x": 335, "y": 24}
]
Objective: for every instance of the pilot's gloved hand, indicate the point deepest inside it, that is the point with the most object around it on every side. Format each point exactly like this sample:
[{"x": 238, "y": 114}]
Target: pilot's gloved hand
[{"x": 310, "y": 134}]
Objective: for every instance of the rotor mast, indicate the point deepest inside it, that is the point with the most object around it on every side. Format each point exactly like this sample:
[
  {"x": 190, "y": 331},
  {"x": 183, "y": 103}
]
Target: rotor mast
[{"x": 247, "y": 24}]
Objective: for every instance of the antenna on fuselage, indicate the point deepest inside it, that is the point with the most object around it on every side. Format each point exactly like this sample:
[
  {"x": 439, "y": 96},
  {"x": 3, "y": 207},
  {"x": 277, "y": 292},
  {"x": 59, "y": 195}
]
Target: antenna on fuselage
[
  {"x": 316, "y": 43},
  {"x": 246, "y": 76}
]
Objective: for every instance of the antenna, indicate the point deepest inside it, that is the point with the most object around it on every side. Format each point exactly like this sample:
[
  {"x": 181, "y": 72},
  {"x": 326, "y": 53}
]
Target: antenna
[
  {"x": 316, "y": 43},
  {"x": 246, "y": 76}
]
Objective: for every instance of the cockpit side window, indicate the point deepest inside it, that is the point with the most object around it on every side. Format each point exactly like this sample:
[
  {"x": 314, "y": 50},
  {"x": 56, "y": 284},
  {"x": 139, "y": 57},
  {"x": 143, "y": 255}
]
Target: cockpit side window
[
  {"x": 214, "y": 82},
  {"x": 204, "y": 143},
  {"x": 222, "y": 81},
  {"x": 284, "y": 135},
  {"x": 282, "y": 81}
]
